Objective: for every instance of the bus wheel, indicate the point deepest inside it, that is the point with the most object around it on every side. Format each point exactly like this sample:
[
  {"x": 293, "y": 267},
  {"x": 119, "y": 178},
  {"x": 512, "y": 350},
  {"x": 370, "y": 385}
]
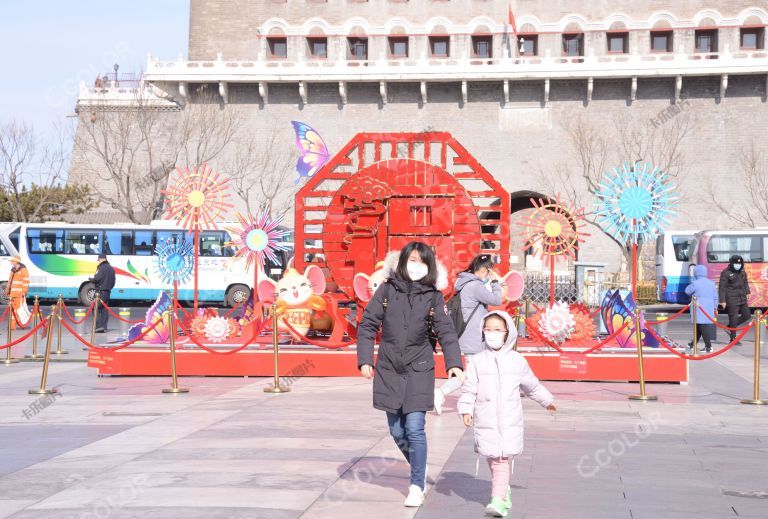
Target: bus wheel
[
  {"x": 87, "y": 294},
  {"x": 4, "y": 299},
  {"x": 237, "y": 295}
]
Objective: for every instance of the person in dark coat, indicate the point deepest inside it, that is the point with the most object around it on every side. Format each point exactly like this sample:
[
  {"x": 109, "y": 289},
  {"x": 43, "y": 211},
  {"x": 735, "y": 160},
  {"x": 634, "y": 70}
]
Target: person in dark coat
[
  {"x": 733, "y": 292},
  {"x": 404, "y": 376},
  {"x": 104, "y": 280}
]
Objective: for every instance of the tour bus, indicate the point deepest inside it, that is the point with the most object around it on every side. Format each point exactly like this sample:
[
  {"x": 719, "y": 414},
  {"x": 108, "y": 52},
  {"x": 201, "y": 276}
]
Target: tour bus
[
  {"x": 62, "y": 258},
  {"x": 673, "y": 261},
  {"x": 713, "y": 249}
]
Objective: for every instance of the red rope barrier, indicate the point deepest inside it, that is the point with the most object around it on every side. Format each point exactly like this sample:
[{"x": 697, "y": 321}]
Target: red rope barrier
[
  {"x": 116, "y": 316},
  {"x": 215, "y": 352},
  {"x": 722, "y": 326},
  {"x": 322, "y": 344},
  {"x": 238, "y": 307},
  {"x": 672, "y": 318},
  {"x": 111, "y": 348},
  {"x": 700, "y": 357},
  {"x": 589, "y": 350},
  {"x": 16, "y": 318},
  {"x": 25, "y": 337},
  {"x": 81, "y": 321}
]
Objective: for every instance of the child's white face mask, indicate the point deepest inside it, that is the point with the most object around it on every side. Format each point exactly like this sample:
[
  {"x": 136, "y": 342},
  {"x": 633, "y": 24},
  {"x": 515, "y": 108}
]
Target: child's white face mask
[{"x": 495, "y": 339}]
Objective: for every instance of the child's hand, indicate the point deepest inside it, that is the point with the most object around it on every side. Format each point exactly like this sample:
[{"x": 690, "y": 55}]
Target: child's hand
[
  {"x": 551, "y": 408},
  {"x": 467, "y": 419}
]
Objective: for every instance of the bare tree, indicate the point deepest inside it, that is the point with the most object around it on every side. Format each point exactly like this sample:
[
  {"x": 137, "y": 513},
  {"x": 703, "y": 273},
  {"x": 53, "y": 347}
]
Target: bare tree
[
  {"x": 754, "y": 169},
  {"x": 260, "y": 169},
  {"x": 31, "y": 170},
  {"x": 627, "y": 138},
  {"x": 133, "y": 150}
]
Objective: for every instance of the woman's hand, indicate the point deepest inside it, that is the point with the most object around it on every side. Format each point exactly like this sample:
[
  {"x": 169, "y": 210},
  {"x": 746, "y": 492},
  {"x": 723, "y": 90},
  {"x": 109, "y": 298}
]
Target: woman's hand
[
  {"x": 551, "y": 408},
  {"x": 457, "y": 372},
  {"x": 367, "y": 370},
  {"x": 467, "y": 419}
]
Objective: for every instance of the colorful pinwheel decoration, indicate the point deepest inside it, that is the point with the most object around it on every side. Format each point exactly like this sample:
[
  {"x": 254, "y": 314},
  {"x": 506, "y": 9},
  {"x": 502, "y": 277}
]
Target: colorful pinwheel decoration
[
  {"x": 197, "y": 200},
  {"x": 634, "y": 202},
  {"x": 174, "y": 261},
  {"x": 256, "y": 239},
  {"x": 553, "y": 230}
]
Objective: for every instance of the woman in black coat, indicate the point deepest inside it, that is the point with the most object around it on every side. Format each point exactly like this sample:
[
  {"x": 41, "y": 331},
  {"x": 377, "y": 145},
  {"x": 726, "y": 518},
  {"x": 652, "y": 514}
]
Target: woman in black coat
[{"x": 404, "y": 379}]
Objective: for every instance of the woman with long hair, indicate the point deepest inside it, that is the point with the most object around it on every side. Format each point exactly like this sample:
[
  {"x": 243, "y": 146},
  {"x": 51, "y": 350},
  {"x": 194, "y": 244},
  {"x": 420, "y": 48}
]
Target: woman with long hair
[{"x": 405, "y": 307}]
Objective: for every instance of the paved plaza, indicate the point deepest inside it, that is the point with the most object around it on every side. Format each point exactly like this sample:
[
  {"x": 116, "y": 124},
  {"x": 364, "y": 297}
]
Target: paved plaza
[{"x": 118, "y": 448}]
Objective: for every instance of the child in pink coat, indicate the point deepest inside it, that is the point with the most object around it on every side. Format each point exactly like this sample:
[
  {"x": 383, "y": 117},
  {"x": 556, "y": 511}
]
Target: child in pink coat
[{"x": 490, "y": 399}]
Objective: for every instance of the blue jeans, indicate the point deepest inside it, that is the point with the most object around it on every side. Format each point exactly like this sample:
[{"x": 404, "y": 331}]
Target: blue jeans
[{"x": 408, "y": 432}]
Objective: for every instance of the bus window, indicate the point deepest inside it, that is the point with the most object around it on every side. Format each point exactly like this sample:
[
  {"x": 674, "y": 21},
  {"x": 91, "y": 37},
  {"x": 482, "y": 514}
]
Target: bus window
[
  {"x": 3, "y": 250},
  {"x": 118, "y": 242},
  {"x": 143, "y": 243},
  {"x": 682, "y": 246},
  {"x": 212, "y": 243},
  {"x": 228, "y": 251},
  {"x": 14, "y": 237},
  {"x": 721, "y": 248},
  {"x": 174, "y": 236},
  {"x": 82, "y": 242},
  {"x": 45, "y": 241}
]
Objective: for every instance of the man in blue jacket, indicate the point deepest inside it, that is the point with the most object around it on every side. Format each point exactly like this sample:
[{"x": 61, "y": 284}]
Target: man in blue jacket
[{"x": 706, "y": 298}]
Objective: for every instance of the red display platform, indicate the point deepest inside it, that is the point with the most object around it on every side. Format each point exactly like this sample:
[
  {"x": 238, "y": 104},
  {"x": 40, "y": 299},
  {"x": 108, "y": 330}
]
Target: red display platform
[{"x": 620, "y": 366}]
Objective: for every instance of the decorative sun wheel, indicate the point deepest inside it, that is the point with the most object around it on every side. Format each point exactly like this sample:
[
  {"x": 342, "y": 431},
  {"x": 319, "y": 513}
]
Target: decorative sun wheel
[
  {"x": 197, "y": 200},
  {"x": 553, "y": 231},
  {"x": 634, "y": 205},
  {"x": 256, "y": 239}
]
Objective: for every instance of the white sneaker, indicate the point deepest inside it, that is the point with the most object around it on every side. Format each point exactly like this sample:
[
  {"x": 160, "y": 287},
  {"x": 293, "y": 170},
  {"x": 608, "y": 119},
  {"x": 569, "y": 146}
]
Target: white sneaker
[
  {"x": 415, "y": 496},
  {"x": 439, "y": 401}
]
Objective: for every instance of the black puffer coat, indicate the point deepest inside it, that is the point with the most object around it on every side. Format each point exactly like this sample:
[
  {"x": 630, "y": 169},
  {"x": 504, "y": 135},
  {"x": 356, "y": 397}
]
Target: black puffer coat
[
  {"x": 405, "y": 369},
  {"x": 734, "y": 286}
]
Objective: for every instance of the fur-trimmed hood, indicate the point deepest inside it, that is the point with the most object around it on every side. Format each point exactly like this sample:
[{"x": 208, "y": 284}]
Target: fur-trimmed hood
[{"x": 390, "y": 265}]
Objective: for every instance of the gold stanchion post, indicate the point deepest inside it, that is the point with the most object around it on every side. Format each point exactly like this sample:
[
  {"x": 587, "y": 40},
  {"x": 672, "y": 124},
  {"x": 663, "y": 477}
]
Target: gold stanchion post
[
  {"x": 35, "y": 316},
  {"x": 96, "y": 303},
  {"x": 639, "y": 343},
  {"x": 60, "y": 309},
  {"x": 42, "y": 390},
  {"x": 11, "y": 316},
  {"x": 694, "y": 313},
  {"x": 756, "y": 391},
  {"x": 276, "y": 387},
  {"x": 174, "y": 389}
]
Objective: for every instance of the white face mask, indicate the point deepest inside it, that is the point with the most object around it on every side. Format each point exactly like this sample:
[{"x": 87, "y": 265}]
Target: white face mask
[
  {"x": 495, "y": 339},
  {"x": 417, "y": 271},
  {"x": 737, "y": 267}
]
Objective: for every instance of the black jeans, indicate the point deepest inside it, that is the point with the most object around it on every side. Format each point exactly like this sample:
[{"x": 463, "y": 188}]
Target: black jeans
[
  {"x": 103, "y": 317},
  {"x": 738, "y": 314},
  {"x": 707, "y": 332}
]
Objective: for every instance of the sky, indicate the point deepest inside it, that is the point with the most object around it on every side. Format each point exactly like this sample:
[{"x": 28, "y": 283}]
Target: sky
[{"x": 48, "y": 46}]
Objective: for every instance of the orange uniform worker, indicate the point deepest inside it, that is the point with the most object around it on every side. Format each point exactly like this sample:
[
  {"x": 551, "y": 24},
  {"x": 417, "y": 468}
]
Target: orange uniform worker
[{"x": 17, "y": 287}]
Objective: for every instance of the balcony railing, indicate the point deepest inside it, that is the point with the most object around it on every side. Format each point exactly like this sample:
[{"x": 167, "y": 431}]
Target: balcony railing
[{"x": 431, "y": 68}]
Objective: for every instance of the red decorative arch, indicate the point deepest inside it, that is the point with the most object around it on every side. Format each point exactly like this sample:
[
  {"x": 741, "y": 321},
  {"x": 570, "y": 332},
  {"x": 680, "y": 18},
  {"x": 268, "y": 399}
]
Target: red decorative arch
[{"x": 383, "y": 190}]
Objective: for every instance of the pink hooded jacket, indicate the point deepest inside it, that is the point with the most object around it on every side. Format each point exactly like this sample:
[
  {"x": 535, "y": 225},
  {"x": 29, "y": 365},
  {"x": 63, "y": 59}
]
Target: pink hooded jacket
[{"x": 491, "y": 393}]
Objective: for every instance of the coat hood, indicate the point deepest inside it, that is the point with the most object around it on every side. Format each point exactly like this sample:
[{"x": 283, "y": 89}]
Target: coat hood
[
  {"x": 390, "y": 266},
  {"x": 700, "y": 271},
  {"x": 511, "y": 333},
  {"x": 463, "y": 279}
]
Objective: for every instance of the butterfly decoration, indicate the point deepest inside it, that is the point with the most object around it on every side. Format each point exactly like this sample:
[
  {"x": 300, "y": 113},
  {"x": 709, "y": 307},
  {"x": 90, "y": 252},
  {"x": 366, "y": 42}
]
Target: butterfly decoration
[
  {"x": 161, "y": 310},
  {"x": 314, "y": 152},
  {"x": 615, "y": 312}
]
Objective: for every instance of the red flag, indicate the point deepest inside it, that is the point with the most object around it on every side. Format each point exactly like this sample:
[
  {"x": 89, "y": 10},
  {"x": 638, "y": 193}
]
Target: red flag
[{"x": 511, "y": 21}]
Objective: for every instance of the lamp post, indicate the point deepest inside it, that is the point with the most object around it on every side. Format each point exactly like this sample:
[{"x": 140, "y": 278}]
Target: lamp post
[{"x": 115, "y": 67}]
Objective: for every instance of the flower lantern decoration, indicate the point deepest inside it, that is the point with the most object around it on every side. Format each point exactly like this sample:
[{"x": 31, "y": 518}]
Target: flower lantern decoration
[
  {"x": 198, "y": 199},
  {"x": 257, "y": 238},
  {"x": 174, "y": 261}
]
